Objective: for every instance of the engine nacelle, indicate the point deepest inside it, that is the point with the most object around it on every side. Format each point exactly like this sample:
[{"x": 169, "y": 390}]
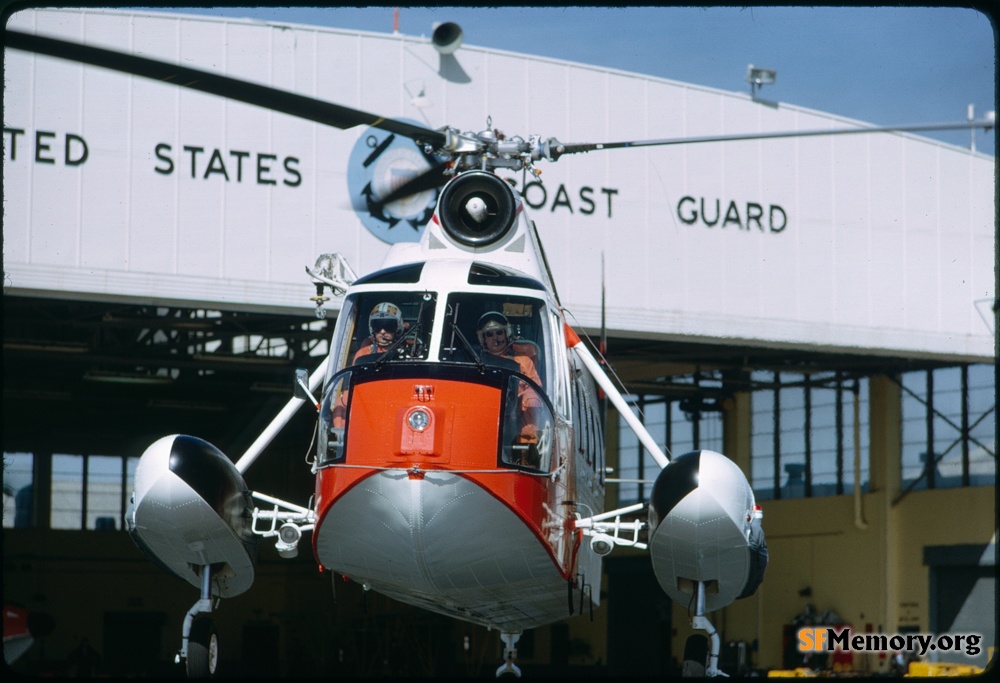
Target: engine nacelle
[
  {"x": 705, "y": 526},
  {"x": 191, "y": 508}
]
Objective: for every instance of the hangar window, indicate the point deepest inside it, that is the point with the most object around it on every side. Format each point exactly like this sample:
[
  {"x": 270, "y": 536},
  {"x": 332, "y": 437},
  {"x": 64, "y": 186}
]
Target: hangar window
[
  {"x": 18, "y": 478},
  {"x": 674, "y": 424},
  {"x": 803, "y": 434},
  {"x": 66, "y": 508},
  {"x": 949, "y": 427},
  {"x": 104, "y": 492},
  {"x": 77, "y": 491}
]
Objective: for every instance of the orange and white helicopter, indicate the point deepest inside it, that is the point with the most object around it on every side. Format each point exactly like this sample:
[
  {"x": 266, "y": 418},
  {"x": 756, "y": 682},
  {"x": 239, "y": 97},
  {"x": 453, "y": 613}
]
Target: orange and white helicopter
[{"x": 459, "y": 461}]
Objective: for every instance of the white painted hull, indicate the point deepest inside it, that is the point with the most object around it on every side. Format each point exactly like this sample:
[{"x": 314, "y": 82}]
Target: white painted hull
[{"x": 445, "y": 544}]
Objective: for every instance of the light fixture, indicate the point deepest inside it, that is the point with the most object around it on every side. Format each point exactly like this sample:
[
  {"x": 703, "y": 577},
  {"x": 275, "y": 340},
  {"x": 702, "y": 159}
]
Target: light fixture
[
  {"x": 248, "y": 359},
  {"x": 421, "y": 100},
  {"x": 418, "y": 419},
  {"x": 201, "y": 406},
  {"x": 418, "y": 434},
  {"x": 418, "y": 94},
  {"x": 126, "y": 377},
  {"x": 61, "y": 347},
  {"x": 447, "y": 37},
  {"x": 288, "y": 540},
  {"x": 270, "y": 387},
  {"x": 757, "y": 77},
  {"x": 602, "y": 544},
  {"x": 990, "y": 117}
]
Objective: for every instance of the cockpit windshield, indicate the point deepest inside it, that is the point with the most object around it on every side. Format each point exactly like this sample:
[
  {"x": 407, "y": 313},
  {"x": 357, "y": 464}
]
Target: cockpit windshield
[
  {"x": 496, "y": 330},
  {"x": 384, "y": 326},
  {"x": 506, "y": 337}
]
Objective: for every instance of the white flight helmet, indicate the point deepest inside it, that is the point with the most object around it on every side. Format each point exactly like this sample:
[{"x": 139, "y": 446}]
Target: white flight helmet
[
  {"x": 492, "y": 320},
  {"x": 385, "y": 313}
]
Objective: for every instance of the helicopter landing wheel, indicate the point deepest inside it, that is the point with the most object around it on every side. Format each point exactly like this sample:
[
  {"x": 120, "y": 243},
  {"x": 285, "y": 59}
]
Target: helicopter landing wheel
[
  {"x": 203, "y": 649},
  {"x": 509, "y": 669},
  {"x": 695, "y": 656}
]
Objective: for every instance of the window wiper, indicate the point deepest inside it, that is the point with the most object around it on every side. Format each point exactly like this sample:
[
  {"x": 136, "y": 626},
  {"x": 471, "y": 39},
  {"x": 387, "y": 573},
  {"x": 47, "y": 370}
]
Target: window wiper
[
  {"x": 468, "y": 346},
  {"x": 396, "y": 344}
]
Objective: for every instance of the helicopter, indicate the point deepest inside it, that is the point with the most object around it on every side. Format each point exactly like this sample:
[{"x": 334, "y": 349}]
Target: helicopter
[{"x": 445, "y": 477}]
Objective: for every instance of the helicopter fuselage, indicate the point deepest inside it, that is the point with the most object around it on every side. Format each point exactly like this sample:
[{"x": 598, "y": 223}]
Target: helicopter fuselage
[{"x": 447, "y": 477}]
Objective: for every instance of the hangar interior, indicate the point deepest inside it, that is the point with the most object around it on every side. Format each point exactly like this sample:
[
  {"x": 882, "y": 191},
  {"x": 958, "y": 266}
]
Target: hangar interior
[{"x": 881, "y": 536}]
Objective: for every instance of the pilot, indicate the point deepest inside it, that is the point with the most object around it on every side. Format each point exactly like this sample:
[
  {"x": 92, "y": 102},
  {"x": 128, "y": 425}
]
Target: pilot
[
  {"x": 384, "y": 323},
  {"x": 494, "y": 333}
]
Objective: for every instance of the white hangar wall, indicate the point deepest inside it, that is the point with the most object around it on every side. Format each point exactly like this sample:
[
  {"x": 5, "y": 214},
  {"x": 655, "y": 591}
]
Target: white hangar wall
[{"x": 119, "y": 187}]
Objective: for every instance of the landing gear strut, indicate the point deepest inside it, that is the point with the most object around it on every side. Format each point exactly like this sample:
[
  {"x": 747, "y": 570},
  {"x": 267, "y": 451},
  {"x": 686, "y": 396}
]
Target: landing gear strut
[
  {"x": 696, "y": 650},
  {"x": 509, "y": 668},
  {"x": 199, "y": 640}
]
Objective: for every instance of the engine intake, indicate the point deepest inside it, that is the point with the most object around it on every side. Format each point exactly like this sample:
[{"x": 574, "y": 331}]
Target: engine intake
[{"x": 477, "y": 209}]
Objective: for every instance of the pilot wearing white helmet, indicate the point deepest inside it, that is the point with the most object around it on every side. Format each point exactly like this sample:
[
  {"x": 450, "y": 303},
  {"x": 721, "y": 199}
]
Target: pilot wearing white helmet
[
  {"x": 384, "y": 323},
  {"x": 494, "y": 333}
]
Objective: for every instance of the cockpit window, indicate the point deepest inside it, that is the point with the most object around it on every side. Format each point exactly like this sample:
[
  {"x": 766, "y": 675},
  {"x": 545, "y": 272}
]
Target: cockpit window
[
  {"x": 496, "y": 330},
  {"x": 409, "y": 274},
  {"x": 490, "y": 274},
  {"x": 384, "y": 326}
]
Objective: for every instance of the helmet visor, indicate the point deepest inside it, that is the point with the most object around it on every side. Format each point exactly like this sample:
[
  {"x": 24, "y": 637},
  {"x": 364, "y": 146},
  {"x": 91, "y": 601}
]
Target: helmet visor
[{"x": 388, "y": 324}]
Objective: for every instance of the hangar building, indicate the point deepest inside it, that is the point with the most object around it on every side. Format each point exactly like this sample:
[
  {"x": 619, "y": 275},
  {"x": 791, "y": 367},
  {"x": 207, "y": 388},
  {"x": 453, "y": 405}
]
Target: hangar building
[{"x": 819, "y": 309}]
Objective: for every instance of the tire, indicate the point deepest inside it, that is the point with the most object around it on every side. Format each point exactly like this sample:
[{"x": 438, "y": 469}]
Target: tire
[
  {"x": 695, "y": 657},
  {"x": 203, "y": 649}
]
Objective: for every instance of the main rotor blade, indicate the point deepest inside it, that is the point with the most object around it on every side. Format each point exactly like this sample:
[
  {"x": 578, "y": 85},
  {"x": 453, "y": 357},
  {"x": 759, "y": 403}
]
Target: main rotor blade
[
  {"x": 282, "y": 101},
  {"x": 985, "y": 124},
  {"x": 430, "y": 179}
]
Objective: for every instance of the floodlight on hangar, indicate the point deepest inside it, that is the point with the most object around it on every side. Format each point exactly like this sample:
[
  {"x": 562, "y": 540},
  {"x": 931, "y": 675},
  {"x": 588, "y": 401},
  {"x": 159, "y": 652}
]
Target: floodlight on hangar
[
  {"x": 447, "y": 37},
  {"x": 757, "y": 77}
]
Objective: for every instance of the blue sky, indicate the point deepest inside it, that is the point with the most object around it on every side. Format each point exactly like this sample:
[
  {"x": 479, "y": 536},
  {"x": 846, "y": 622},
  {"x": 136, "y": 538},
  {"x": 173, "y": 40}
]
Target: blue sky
[{"x": 883, "y": 65}]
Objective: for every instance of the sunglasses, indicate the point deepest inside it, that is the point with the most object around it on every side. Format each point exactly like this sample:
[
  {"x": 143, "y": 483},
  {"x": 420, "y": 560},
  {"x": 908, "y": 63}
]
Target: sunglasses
[
  {"x": 489, "y": 334},
  {"x": 387, "y": 326}
]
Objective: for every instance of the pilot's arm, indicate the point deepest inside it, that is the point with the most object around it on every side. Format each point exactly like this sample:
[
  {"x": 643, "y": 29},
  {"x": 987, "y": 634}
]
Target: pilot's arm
[{"x": 529, "y": 400}]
